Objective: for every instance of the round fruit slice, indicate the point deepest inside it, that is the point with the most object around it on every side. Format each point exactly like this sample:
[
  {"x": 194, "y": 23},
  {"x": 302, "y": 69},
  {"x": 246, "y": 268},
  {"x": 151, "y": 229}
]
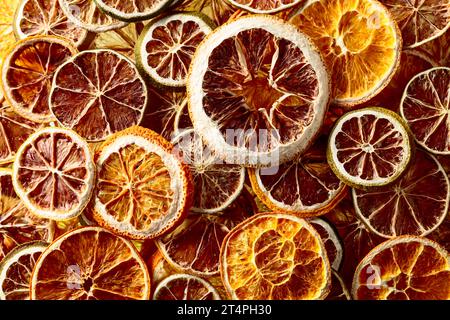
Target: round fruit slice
[
  {"x": 98, "y": 93},
  {"x": 133, "y": 10},
  {"x": 218, "y": 10},
  {"x": 305, "y": 186},
  {"x": 16, "y": 268},
  {"x": 54, "y": 173},
  {"x": 90, "y": 263},
  {"x": 415, "y": 205},
  {"x": 361, "y": 44},
  {"x": 7, "y": 10},
  {"x": 272, "y": 6},
  {"x": 425, "y": 106},
  {"x": 86, "y": 14},
  {"x": 185, "y": 287},
  {"x": 45, "y": 17},
  {"x": 143, "y": 190},
  {"x": 420, "y": 21},
  {"x": 166, "y": 47},
  {"x": 330, "y": 240},
  {"x": 369, "y": 147},
  {"x": 338, "y": 289},
  {"x": 404, "y": 268},
  {"x": 274, "y": 257},
  {"x": 27, "y": 74}
]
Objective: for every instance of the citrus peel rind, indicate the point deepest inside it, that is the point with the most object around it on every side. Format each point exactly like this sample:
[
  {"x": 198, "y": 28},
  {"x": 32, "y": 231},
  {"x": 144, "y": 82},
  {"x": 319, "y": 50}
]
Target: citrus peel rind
[
  {"x": 133, "y": 10},
  {"x": 257, "y": 6},
  {"x": 185, "y": 287}
]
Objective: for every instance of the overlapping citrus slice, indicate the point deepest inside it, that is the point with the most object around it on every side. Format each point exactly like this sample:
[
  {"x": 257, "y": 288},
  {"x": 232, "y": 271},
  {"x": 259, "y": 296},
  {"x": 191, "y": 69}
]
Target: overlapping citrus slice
[
  {"x": 258, "y": 91},
  {"x": 143, "y": 190},
  {"x": 360, "y": 42},
  {"x": 159, "y": 268},
  {"x": 404, "y": 268},
  {"x": 133, "y": 10},
  {"x": 338, "y": 289},
  {"x": 271, "y": 6},
  {"x": 218, "y": 10},
  {"x": 185, "y": 287},
  {"x": 442, "y": 234},
  {"x": 98, "y": 93},
  {"x": 274, "y": 257},
  {"x": 438, "y": 49},
  {"x": 415, "y": 205},
  {"x": 28, "y": 71},
  {"x": 369, "y": 147},
  {"x": 7, "y": 11},
  {"x": 16, "y": 269},
  {"x": 330, "y": 240},
  {"x": 53, "y": 173},
  {"x": 90, "y": 264},
  {"x": 425, "y": 106}
]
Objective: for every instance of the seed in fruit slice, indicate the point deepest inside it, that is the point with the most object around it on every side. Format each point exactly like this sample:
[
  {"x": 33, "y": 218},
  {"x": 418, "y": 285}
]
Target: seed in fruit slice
[
  {"x": 16, "y": 268},
  {"x": 7, "y": 10},
  {"x": 305, "y": 186},
  {"x": 360, "y": 42},
  {"x": 258, "y": 91},
  {"x": 369, "y": 147},
  {"x": 415, "y": 205},
  {"x": 166, "y": 47},
  {"x": 90, "y": 264},
  {"x": 330, "y": 240},
  {"x": 53, "y": 173},
  {"x": 338, "y": 289},
  {"x": 98, "y": 93},
  {"x": 133, "y": 10},
  {"x": 425, "y": 106},
  {"x": 274, "y": 257},
  {"x": 271, "y": 6},
  {"x": 404, "y": 268},
  {"x": 143, "y": 190},
  {"x": 28, "y": 71},
  {"x": 185, "y": 287},
  {"x": 218, "y": 10}
]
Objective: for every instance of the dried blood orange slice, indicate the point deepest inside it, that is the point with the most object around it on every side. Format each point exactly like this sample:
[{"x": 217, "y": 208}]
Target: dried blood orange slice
[
  {"x": 143, "y": 190},
  {"x": 258, "y": 91},
  {"x": 87, "y": 264},
  {"x": 165, "y": 48},
  {"x": 425, "y": 106},
  {"x": 338, "y": 289},
  {"x": 404, "y": 268},
  {"x": 185, "y": 287},
  {"x": 27, "y": 74},
  {"x": 305, "y": 186},
  {"x": 361, "y": 44},
  {"x": 369, "y": 147},
  {"x": 16, "y": 268},
  {"x": 331, "y": 241},
  {"x": 415, "y": 205},
  {"x": 54, "y": 173},
  {"x": 98, "y": 93},
  {"x": 271, "y": 6},
  {"x": 218, "y": 10},
  {"x": 133, "y": 10}
]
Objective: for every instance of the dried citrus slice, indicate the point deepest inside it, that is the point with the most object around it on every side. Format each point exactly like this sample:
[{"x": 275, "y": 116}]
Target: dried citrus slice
[
  {"x": 218, "y": 10},
  {"x": 369, "y": 147},
  {"x": 258, "y": 91},
  {"x": 361, "y": 44},
  {"x": 185, "y": 287},
  {"x": 90, "y": 263},
  {"x": 54, "y": 173},
  {"x": 159, "y": 268},
  {"x": 98, "y": 93},
  {"x": 16, "y": 268},
  {"x": 133, "y": 10},
  {"x": 338, "y": 289},
  {"x": 271, "y": 6},
  {"x": 416, "y": 204},
  {"x": 165, "y": 48},
  {"x": 404, "y": 268},
  {"x": 420, "y": 21},
  {"x": 305, "y": 186},
  {"x": 438, "y": 49},
  {"x": 331, "y": 241},
  {"x": 7, "y": 11},
  {"x": 425, "y": 106},
  {"x": 28, "y": 71},
  {"x": 143, "y": 190}
]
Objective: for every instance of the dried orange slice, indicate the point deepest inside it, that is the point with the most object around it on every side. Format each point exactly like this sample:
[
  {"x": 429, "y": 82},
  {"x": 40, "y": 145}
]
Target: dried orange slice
[
  {"x": 90, "y": 263},
  {"x": 143, "y": 190},
  {"x": 54, "y": 173},
  {"x": 271, "y": 6},
  {"x": 28, "y": 71},
  {"x": 369, "y": 147},
  {"x": 338, "y": 289},
  {"x": 330, "y": 240},
  {"x": 16, "y": 268},
  {"x": 133, "y": 10},
  {"x": 185, "y": 287},
  {"x": 218, "y": 10},
  {"x": 258, "y": 91},
  {"x": 425, "y": 106},
  {"x": 100, "y": 87},
  {"x": 274, "y": 257},
  {"x": 360, "y": 42},
  {"x": 404, "y": 268},
  {"x": 415, "y": 205},
  {"x": 7, "y": 11}
]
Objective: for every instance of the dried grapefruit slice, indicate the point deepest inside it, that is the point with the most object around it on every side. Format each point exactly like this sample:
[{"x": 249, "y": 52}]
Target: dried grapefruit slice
[
  {"x": 185, "y": 287},
  {"x": 331, "y": 241},
  {"x": 404, "y": 268},
  {"x": 415, "y": 205},
  {"x": 133, "y": 10},
  {"x": 271, "y": 6},
  {"x": 27, "y": 74},
  {"x": 369, "y": 147},
  {"x": 258, "y": 91},
  {"x": 425, "y": 106},
  {"x": 274, "y": 257},
  {"x": 54, "y": 173},
  {"x": 218, "y": 10},
  {"x": 338, "y": 289},
  {"x": 143, "y": 190},
  {"x": 90, "y": 263},
  {"x": 98, "y": 93}
]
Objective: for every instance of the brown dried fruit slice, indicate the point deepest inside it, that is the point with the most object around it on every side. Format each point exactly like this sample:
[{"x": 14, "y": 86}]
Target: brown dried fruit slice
[
  {"x": 133, "y": 10},
  {"x": 218, "y": 10},
  {"x": 270, "y": 6},
  {"x": 330, "y": 240},
  {"x": 338, "y": 289},
  {"x": 185, "y": 287},
  {"x": 438, "y": 49}
]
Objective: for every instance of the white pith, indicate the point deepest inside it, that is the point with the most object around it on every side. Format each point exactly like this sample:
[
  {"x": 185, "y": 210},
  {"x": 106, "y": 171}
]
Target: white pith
[
  {"x": 173, "y": 277},
  {"x": 334, "y": 238},
  {"x": 135, "y": 15}
]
